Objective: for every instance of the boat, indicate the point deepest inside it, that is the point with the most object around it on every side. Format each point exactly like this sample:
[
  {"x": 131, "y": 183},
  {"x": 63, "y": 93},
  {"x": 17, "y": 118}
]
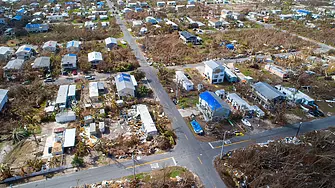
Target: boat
[{"x": 246, "y": 122}]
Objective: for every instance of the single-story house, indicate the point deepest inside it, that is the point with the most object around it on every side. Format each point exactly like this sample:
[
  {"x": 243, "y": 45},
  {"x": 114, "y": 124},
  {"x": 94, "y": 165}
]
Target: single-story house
[
  {"x": 25, "y": 52},
  {"x": 94, "y": 91},
  {"x": 41, "y": 63},
  {"x": 148, "y": 125},
  {"x": 213, "y": 107},
  {"x": 69, "y": 62},
  {"x": 3, "y": 98},
  {"x": 50, "y": 46},
  {"x": 73, "y": 46},
  {"x": 151, "y": 20},
  {"x": 160, "y": 4},
  {"x": 90, "y": 25},
  {"x": 94, "y": 58},
  {"x": 55, "y": 18},
  {"x": 296, "y": 96},
  {"x": 171, "y": 3},
  {"x": 267, "y": 95},
  {"x": 36, "y": 27},
  {"x": 13, "y": 67},
  {"x": 214, "y": 72},
  {"x": 257, "y": 111},
  {"x": 276, "y": 70},
  {"x": 238, "y": 103},
  {"x": 71, "y": 95},
  {"x": 69, "y": 138},
  {"x": 64, "y": 117},
  {"x": 172, "y": 24},
  {"x": 103, "y": 17},
  {"x": 214, "y": 23},
  {"x": 183, "y": 81},
  {"x": 125, "y": 85},
  {"x": 189, "y": 38},
  {"x": 93, "y": 129},
  {"x": 6, "y": 53},
  {"x": 110, "y": 42}
]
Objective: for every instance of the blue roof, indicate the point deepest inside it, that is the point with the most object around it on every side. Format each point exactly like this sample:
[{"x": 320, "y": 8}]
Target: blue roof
[
  {"x": 17, "y": 17},
  {"x": 196, "y": 127},
  {"x": 124, "y": 77},
  {"x": 303, "y": 11},
  {"x": 71, "y": 54},
  {"x": 27, "y": 49},
  {"x": 212, "y": 102},
  {"x": 33, "y": 25},
  {"x": 69, "y": 3},
  {"x": 100, "y": 3},
  {"x": 230, "y": 46}
]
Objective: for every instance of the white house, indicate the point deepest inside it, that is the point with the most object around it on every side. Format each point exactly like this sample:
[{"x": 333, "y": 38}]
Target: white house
[
  {"x": 110, "y": 42},
  {"x": 50, "y": 46},
  {"x": 3, "y": 98},
  {"x": 125, "y": 84},
  {"x": 25, "y": 52},
  {"x": 214, "y": 23},
  {"x": 276, "y": 70},
  {"x": 295, "y": 95},
  {"x": 94, "y": 58},
  {"x": 73, "y": 46},
  {"x": 160, "y": 4},
  {"x": 214, "y": 72},
  {"x": 13, "y": 67},
  {"x": 94, "y": 91},
  {"x": 148, "y": 125},
  {"x": 6, "y": 53},
  {"x": 183, "y": 81},
  {"x": 55, "y": 18},
  {"x": 238, "y": 103}
]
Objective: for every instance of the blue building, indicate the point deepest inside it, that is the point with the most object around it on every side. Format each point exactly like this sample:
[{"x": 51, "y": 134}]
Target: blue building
[
  {"x": 213, "y": 107},
  {"x": 3, "y": 98}
]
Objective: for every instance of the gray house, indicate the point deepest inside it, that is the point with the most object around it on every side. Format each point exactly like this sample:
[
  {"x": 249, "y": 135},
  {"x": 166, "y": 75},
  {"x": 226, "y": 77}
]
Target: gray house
[
  {"x": 42, "y": 63},
  {"x": 13, "y": 67},
  {"x": 213, "y": 107},
  {"x": 69, "y": 62},
  {"x": 267, "y": 95}
]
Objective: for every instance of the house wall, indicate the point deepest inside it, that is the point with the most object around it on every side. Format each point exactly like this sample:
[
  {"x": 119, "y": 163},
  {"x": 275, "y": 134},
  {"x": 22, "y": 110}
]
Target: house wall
[
  {"x": 23, "y": 55},
  {"x": 215, "y": 76},
  {"x": 3, "y": 102}
]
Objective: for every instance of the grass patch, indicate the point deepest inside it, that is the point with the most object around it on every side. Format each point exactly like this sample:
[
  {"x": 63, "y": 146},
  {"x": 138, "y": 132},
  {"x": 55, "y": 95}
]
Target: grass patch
[
  {"x": 176, "y": 172},
  {"x": 190, "y": 101}
]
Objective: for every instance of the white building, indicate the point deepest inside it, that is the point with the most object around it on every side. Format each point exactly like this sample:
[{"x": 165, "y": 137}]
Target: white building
[
  {"x": 25, "y": 52},
  {"x": 214, "y": 72},
  {"x": 61, "y": 99},
  {"x": 94, "y": 58},
  {"x": 3, "y": 98},
  {"x": 50, "y": 46},
  {"x": 183, "y": 81},
  {"x": 125, "y": 85},
  {"x": 64, "y": 117},
  {"x": 69, "y": 138},
  {"x": 238, "y": 103},
  {"x": 148, "y": 124},
  {"x": 6, "y": 53},
  {"x": 295, "y": 95},
  {"x": 73, "y": 46},
  {"x": 94, "y": 91}
]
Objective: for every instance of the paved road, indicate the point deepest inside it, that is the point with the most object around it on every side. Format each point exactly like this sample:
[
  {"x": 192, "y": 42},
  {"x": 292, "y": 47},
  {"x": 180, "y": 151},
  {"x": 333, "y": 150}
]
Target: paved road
[{"x": 189, "y": 152}]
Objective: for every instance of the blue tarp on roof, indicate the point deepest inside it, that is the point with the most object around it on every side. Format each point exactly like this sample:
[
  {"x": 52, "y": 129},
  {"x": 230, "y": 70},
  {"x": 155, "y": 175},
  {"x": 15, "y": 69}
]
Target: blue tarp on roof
[
  {"x": 27, "y": 49},
  {"x": 17, "y": 17},
  {"x": 211, "y": 101},
  {"x": 72, "y": 55},
  {"x": 302, "y": 11},
  {"x": 69, "y": 3},
  {"x": 124, "y": 77},
  {"x": 196, "y": 127},
  {"x": 100, "y": 3},
  {"x": 33, "y": 25},
  {"x": 230, "y": 46}
]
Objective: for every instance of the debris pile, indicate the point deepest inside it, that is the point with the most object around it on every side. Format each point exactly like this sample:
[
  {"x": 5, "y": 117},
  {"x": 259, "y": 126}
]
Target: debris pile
[{"x": 307, "y": 161}]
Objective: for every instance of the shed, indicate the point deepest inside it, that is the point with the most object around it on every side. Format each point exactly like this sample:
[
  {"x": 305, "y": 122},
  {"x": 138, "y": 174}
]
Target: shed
[{"x": 69, "y": 138}]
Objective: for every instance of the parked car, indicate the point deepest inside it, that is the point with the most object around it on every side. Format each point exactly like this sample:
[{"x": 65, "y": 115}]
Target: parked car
[{"x": 237, "y": 70}]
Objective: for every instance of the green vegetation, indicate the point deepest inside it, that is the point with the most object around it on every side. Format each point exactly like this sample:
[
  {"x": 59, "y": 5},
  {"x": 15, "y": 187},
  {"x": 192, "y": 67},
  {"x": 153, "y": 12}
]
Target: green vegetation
[{"x": 189, "y": 101}]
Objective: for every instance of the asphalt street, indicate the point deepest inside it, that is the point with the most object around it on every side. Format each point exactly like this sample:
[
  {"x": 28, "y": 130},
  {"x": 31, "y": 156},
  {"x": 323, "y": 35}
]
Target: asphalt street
[{"x": 195, "y": 155}]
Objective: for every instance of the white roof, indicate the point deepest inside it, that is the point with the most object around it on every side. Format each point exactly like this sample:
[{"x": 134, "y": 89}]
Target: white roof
[
  {"x": 180, "y": 75},
  {"x": 110, "y": 40},
  {"x": 212, "y": 64},
  {"x": 94, "y": 56},
  {"x": 69, "y": 138},
  {"x": 148, "y": 124},
  {"x": 3, "y": 94},
  {"x": 72, "y": 90},
  {"x": 132, "y": 77},
  {"x": 4, "y": 49},
  {"x": 123, "y": 81},
  {"x": 25, "y": 48},
  {"x": 62, "y": 94},
  {"x": 15, "y": 64},
  {"x": 93, "y": 87}
]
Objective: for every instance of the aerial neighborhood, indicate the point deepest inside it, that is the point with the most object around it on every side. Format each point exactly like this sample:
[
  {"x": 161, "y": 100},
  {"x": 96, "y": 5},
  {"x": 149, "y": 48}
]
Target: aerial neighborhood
[{"x": 124, "y": 93}]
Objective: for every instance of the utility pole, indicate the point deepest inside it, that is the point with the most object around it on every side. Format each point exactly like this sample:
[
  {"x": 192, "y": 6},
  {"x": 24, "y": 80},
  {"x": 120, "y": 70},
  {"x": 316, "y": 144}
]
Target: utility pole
[
  {"x": 224, "y": 138},
  {"x": 298, "y": 129}
]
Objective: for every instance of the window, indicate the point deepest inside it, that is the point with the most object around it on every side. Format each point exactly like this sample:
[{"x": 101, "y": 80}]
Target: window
[
  {"x": 215, "y": 80},
  {"x": 215, "y": 76},
  {"x": 221, "y": 74},
  {"x": 220, "y": 80}
]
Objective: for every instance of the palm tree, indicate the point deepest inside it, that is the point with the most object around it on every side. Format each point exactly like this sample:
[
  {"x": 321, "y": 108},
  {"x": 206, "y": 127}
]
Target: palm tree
[{"x": 19, "y": 134}]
